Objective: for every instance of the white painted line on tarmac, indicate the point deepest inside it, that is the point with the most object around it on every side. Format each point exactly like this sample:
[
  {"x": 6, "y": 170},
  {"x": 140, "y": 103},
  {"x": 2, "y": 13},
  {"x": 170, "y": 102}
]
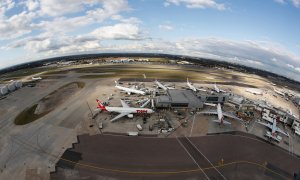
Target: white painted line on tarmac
[
  {"x": 206, "y": 158},
  {"x": 192, "y": 158}
]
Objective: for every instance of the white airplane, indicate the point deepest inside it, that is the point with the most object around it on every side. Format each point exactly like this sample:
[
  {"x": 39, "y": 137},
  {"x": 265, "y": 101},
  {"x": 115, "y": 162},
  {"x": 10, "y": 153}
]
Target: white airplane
[
  {"x": 125, "y": 110},
  {"x": 279, "y": 92},
  {"x": 162, "y": 86},
  {"x": 221, "y": 115},
  {"x": 129, "y": 90},
  {"x": 274, "y": 128},
  {"x": 192, "y": 87},
  {"x": 36, "y": 78},
  {"x": 217, "y": 89}
]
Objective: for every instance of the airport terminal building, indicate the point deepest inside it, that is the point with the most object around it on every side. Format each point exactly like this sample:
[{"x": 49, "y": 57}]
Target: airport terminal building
[
  {"x": 179, "y": 99},
  {"x": 176, "y": 98}
]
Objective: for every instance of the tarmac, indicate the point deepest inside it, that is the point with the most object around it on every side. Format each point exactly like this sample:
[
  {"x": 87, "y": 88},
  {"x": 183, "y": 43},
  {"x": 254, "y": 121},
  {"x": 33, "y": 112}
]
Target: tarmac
[{"x": 223, "y": 156}]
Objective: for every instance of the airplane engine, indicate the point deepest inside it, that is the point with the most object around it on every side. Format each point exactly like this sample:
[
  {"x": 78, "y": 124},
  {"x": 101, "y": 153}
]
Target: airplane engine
[{"x": 130, "y": 115}]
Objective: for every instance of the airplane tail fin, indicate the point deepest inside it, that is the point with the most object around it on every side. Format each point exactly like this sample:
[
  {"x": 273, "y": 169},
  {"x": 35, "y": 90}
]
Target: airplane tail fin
[{"x": 100, "y": 105}]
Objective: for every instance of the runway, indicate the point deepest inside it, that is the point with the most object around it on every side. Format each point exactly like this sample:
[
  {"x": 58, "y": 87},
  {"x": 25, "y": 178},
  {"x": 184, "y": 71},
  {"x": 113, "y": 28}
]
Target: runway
[{"x": 205, "y": 157}]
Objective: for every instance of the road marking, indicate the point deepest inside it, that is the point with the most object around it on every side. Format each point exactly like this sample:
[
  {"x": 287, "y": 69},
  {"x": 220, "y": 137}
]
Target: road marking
[
  {"x": 192, "y": 157},
  {"x": 252, "y": 127},
  {"x": 289, "y": 144},
  {"x": 206, "y": 158},
  {"x": 192, "y": 125}
]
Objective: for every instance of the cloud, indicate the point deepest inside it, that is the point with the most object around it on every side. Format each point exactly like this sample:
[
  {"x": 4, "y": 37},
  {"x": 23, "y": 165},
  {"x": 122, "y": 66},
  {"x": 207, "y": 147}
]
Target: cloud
[
  {"x": 274, "y": 59},
  {"x": 16, "y": 26},
  {"x": 296, "y": 3},
  {"x": 166, "y": 27},
  {"x": 202, "y": 4},
  {"x": 118, "y": 31},
  {"x": 55, "y": 44},
  {"x": 59, "y": 7},
  {"x": 109, "y": 9},
  {"x": 47, "y": 16},
  {"x": 6, "y": 5},
  {"x": 32, "y": 4},
  {"x": 280, "y": 1},
  {"x": 293, "y": 67}
]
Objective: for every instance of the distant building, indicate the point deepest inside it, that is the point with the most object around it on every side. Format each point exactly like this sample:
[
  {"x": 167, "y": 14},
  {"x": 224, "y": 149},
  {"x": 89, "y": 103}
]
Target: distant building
[
  {"x": 143, "y": 59},
  {"x": 172, "y": 61},
  {"x": 184, "y": 62},
  {"x": 65, "y": 63}
]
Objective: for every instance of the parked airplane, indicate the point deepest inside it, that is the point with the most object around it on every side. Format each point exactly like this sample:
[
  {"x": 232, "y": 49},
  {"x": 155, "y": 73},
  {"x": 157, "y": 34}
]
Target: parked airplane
[
  {"x": 125, "y": 110},
  {"x": 221, "y": 115},
  {"x": 36, "y": 78},
  {"x": 192, "y": 87},
  {"x": 217, "y": 89},
  {"x": 279, "y": 92},
  {"x": 129, "y": 90},
  {"x": 274, "y": 128},
  {"x": 162, "y": 86}
]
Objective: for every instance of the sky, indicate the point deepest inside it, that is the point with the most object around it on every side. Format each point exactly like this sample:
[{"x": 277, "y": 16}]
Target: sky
[{"x": 264, "y": 34}]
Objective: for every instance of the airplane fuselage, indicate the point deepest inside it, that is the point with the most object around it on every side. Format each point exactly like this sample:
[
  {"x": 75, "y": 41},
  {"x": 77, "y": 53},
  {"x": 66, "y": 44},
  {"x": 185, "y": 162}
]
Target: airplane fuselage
[
  {"x": 130, "y": 90},
  {"x": 216, "y": 88},
  {"x": 161, "y": 85},
  {"x": 130, "y": 110},
  {"x": 191, "y": 86},
  {"x": 219, "y": 111},
  {"x": 279, "y": 92}
]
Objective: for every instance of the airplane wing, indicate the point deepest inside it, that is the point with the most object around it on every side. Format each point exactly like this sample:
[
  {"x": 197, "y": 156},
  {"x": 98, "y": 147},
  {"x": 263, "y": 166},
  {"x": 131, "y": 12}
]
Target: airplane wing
[
  {"x": 281, "y": 131},
  {"x": 265, "y": 124},
  {"x": 199, "y": 89},
  {"x": 119, "y": 116},
  {"x": 124, "y": 104},
  {"x": 224, "y": 114},
  {"x": 208, "y": 112},
  {"x": 232, "y": 116}
]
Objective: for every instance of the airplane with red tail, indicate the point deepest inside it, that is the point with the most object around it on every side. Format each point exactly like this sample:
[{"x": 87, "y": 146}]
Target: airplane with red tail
[{"x": 125, "y": 110}]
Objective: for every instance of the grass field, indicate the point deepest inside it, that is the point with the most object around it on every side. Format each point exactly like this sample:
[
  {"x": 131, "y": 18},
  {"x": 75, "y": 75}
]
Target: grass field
[
  {"x": 159, "y": 73},
  {"x": 28, "y": 116},
  {"x": 24, "y": 72}
]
